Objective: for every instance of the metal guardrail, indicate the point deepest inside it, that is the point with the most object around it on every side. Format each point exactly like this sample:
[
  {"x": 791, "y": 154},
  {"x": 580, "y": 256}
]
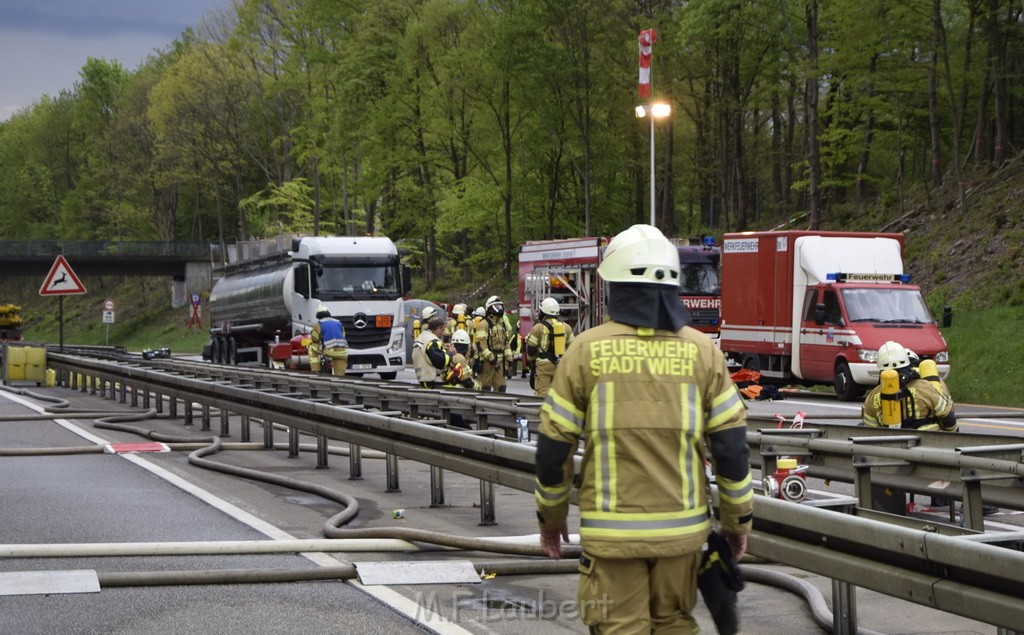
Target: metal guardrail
[{"x": 919, "y": 564}]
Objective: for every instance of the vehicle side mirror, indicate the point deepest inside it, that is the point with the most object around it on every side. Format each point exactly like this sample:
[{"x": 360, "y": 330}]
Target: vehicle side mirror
[
  {"x": 819, "y": 314},
  {"x": 947, "y": 316},
  {"x": 406, "y": 280}
]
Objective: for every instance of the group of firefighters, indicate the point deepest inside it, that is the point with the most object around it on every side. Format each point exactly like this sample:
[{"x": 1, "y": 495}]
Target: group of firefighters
[
  {"x": 648, "y": 396},
  {"x": 481, "y": 351}
]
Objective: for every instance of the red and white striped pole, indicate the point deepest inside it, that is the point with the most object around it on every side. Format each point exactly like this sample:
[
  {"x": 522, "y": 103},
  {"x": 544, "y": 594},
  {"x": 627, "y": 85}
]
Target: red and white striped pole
[{"x": 647, "y": 38}]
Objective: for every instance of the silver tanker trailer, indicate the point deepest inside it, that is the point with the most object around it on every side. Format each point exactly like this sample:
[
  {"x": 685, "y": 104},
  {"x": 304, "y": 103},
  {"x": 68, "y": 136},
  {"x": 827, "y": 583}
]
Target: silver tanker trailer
[{"x": 263, "y": 310}]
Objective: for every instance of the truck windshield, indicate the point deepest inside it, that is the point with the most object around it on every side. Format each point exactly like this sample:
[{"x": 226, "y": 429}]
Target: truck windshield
[
  {"x": 334, "y": 282},
  {"x": 698, "y": 279},
  {"x": 887, "y": 305}
]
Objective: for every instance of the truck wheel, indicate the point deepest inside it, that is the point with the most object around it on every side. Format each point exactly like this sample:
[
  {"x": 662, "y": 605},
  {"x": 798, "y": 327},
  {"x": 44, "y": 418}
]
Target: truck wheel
[
  {"x": 752, "y": 362},
  {"x": 388, "y": 376},
  {"x": 232, "y": 356},
  {"x": 846, "y": 388},
  {"x": 215, "y": 351}
]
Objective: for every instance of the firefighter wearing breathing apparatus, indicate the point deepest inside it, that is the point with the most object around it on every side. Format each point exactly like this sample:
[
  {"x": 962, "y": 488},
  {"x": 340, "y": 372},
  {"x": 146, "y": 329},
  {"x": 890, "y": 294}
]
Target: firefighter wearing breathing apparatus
[
  {"x": 459, "y": 373},
  {"x": 328, "y": 339},
  {"x": 902, "y": 399},
  {"x": 545, "y": 346},
  {"x": 430, "y": 356},
  {"x": 929, "y": 371},
  {"x": 418, "y": 324},
  {"x": 457, "y": 322},
  {"x": 650, "y": 395},
  {"x": 492, "y": 346}
]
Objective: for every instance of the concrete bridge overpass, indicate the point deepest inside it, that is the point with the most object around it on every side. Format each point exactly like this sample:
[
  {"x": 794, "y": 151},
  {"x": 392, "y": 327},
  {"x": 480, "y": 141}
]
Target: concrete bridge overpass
[{"x": 189, "y": 264}]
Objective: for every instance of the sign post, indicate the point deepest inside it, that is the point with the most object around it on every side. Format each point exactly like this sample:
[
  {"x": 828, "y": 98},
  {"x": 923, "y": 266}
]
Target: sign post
[
  {"x": 108, "y": 318},
  {"x": 61, "y": 281}
]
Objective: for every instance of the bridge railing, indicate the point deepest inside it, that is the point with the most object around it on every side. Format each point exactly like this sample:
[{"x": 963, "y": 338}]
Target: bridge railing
[{"x": 103, "y": 248}]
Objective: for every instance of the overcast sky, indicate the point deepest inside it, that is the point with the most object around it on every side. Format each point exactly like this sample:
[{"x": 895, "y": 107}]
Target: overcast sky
[{"x": 44, "y": 43}]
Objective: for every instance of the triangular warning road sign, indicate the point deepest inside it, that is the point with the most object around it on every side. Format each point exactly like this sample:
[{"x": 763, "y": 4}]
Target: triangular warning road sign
[{"x": 61, "y": 280}]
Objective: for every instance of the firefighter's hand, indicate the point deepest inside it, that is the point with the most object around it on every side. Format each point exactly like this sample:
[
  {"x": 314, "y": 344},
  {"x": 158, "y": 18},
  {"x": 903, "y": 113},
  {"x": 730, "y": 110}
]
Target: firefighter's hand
[
  {"x": 551, "y": 541},
  {"x": 738, "y": 543}
]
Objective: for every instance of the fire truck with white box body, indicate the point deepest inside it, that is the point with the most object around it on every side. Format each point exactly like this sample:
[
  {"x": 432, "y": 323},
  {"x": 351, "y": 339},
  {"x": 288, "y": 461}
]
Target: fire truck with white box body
[
  {"x": 566, "y": 270},
  {"x": 264, "y": 308},
  {"x": 814, "y": 307}
]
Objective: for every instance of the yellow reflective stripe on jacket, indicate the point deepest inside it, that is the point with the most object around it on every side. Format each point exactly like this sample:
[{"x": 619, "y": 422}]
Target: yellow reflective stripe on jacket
[
  {"x": 563, "y": 413},
  {"x": 605, "y": 469},
  {"x": 735, "y": 492},
  {"x": 691, "y": 470},
  {"x": 724, "y": 407},
  {"x": 644, "y": 525},
  {"x": 551, "y": 496}
]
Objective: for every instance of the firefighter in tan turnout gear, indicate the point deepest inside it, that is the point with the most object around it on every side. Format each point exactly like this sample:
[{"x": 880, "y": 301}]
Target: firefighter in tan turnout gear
[
  {"x": 650, "y": 396},
  {"x": 545, "y": 346},
  {"x": 492, "y": 346}
]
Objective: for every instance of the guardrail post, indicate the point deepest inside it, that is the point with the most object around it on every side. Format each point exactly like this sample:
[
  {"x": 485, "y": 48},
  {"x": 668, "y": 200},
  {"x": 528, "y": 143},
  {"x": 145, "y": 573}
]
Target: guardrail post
[
  {"x": 293, "y": 442},
  {"x": 103, "y": 389},
  {"x": 436, "y": 486},
  {"x": 124, "y": 392},
  {"x": 974, "y": 517},
  {"x": 392, "y": 473},
  {"x": 844, "y": 608},
  {"x": 487, "y": 516},
  {"x": 225, "y": 426},
  {"x": 145, "y": 398},
  {"x": 159, "y": 398},
  {"x": 355, "y": 462},
  {"x": 172, "y": 407},
  {"x": 188, "y": 412},
  {"x": 205, "y": 418},
  {"x": 93, "y": 384},
  {"x": 135, "y": 397},
  {"x": 321, "y": 452},
  {"x": 245, "y": 431},
  {"x": 268, "y": 434}
]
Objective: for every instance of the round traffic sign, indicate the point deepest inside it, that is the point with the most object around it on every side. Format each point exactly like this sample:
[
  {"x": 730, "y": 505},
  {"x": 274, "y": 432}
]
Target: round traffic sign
[{"x": 108, "y": 305}]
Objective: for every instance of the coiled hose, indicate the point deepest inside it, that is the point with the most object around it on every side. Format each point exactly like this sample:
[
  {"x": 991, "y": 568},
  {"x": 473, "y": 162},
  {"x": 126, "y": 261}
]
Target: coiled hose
[{"x": 333, "y": 527}]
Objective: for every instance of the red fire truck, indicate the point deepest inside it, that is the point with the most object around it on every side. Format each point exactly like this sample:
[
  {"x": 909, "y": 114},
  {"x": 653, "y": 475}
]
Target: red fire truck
[
  {"x": 814, "y": 307},
  {"x": 566, "y": 270}
]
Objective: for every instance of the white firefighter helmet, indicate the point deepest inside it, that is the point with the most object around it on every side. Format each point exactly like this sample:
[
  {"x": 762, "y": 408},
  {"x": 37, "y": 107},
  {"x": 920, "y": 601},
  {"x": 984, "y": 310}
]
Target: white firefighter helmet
[
  {"x": 459, "y": 309},
  {"x": 892, "y": 355},
  {"x": 427, "y": 313},
  {"x": 479, "y": 311},
  {"x": 494, "y": 305},
  {"x": 641, "y": 254},
  {"x": 460, "y": 337},
  {"x": 915, "y": 359},
  {"x": 322, "y": 312},
  {"x": 549, "y": 306}
]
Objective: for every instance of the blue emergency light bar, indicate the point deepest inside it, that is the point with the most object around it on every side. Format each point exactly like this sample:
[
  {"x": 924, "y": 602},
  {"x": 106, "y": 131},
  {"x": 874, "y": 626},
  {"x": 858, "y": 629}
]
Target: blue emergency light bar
[{"x": 868, "y": 277}]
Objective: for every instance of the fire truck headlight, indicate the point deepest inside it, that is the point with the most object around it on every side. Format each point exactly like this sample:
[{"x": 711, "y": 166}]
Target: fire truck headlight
[
  {"x": 868, "y": 355},
  {"x": 942, "y": 357}
]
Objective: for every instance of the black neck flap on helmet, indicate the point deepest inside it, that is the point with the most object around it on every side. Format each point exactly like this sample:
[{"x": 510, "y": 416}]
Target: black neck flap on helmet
[{"x": 647, "y": 305}]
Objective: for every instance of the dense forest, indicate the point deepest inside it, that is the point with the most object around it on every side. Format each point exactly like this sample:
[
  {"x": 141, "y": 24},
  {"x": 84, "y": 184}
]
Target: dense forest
[{"x": 464, "y": 127}]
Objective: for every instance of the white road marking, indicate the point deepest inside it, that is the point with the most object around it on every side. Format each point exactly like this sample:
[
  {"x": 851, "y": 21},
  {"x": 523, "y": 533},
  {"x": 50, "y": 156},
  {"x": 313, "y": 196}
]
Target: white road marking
[{"x": 393, "y": 599}]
